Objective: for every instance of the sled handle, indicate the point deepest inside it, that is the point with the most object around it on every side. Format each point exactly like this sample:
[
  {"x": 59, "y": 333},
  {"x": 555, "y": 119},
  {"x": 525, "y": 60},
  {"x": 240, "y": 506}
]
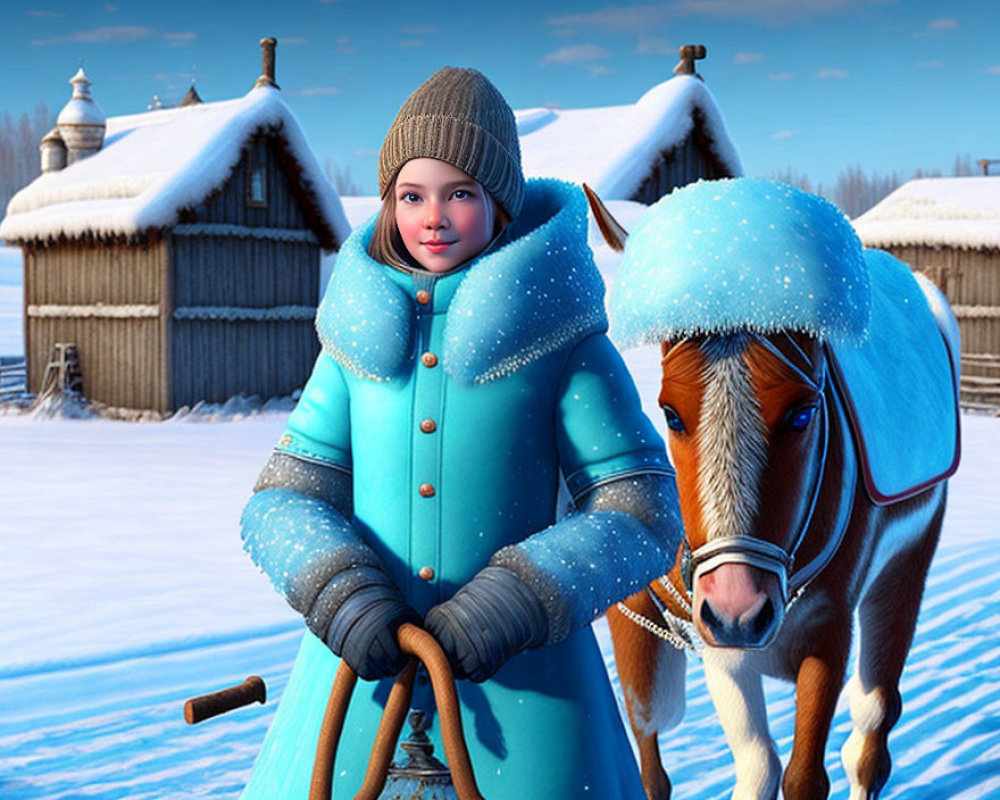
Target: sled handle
[
  {"x": 423, "y": 647},
  {"x": 206, "y": 706}
]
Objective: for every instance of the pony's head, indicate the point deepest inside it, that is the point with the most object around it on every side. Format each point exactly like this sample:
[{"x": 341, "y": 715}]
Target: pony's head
[
  {"x": 747, "y": 434},
  {"x": 740, "y": 282}
]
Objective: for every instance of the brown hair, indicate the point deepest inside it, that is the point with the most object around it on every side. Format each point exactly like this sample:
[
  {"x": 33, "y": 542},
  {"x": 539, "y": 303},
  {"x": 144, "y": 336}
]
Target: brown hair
[{"x": 386, "y": 245}]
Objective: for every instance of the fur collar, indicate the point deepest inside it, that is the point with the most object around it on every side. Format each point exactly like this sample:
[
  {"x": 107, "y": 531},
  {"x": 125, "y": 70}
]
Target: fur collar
[{"x": 537, "y": 294}]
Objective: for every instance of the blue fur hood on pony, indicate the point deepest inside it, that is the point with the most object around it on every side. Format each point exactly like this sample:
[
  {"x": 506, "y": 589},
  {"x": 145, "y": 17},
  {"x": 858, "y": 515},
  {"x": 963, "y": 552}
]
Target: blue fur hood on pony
[
  {"x": 539, "y": 292},
  {"x": 748, "y": 253}
]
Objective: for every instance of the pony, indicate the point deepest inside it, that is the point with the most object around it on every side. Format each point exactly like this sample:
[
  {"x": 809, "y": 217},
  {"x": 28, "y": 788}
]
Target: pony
[{"x": 794, "y": 364}]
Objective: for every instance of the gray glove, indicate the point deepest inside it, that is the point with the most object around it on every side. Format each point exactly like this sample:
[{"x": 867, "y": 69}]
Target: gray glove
[
  {"x": 493, "y": 617},
  {"x": 363, "y": 628}
]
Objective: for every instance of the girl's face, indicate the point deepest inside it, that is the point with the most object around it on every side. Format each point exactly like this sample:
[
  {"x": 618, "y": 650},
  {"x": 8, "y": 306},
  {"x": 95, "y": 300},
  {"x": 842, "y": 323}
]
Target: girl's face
[{"x": 444, "y": 216}]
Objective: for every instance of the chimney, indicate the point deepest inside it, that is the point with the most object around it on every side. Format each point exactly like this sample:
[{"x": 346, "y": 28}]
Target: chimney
[
  {"x": 690, "y": 53},
  {"x": 267, "y": 64},
  {"x": 53, "y": 150}
]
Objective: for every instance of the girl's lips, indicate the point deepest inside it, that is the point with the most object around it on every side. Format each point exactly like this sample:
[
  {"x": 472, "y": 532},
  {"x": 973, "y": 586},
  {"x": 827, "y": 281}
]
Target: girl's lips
[{"x": 437, "y": 247}]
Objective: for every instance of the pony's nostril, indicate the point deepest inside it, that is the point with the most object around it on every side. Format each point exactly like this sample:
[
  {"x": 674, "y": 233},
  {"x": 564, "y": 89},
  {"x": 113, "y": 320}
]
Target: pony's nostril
[
  {"x": 709, "y": 618},
  {"x": 763, "y": 621}
]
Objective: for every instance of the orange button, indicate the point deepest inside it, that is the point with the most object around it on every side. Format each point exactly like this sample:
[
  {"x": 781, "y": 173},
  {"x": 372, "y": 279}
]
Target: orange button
[
  {"x": 426, "y": 573},
  {"x": 423, "y": 297},
  {"x": 429, "y": 359},
  {"x": 428, "y": 425},
  {"x": 426, "y": 490}
]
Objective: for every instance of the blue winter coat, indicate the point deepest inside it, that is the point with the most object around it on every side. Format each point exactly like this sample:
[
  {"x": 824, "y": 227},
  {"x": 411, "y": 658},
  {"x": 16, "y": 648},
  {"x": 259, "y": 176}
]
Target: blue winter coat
[{"x": 457, "y": 402}]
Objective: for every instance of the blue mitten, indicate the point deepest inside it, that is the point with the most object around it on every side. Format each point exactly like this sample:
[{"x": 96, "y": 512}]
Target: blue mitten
[{"x": 493, "y": 617}]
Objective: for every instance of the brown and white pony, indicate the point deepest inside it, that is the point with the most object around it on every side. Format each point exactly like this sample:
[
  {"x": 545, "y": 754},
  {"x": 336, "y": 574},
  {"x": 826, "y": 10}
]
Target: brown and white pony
[{"x": 782, "y": 546}]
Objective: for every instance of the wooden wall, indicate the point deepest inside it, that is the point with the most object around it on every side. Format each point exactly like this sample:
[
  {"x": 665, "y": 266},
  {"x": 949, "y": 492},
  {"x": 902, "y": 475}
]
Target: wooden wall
[
  {"x": 681, "y": 165},
  {"x": 243, "y": 278},
  {"x": 107, "y": 298},
  {"x": 970, "y": 279}
]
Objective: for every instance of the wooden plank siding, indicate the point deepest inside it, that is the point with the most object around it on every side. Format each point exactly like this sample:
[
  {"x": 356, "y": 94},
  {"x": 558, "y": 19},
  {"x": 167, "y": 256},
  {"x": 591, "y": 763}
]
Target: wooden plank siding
[
  {"x": 686, "y": 163},
  {"x": 970, "y": 279},
  {"x": 217, "y": 355},
  {"x": 121, "y": 357}
]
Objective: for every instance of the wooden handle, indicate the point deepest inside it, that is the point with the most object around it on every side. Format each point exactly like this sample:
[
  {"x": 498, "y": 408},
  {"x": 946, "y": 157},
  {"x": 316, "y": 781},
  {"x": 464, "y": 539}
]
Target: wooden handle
[
  {"x": 201, "y": 708},
  {"x": 421, "y": 645}
]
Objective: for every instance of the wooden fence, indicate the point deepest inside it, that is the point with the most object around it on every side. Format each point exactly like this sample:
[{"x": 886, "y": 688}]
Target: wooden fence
[
  {"x": 982, "y": 390},
  {"x": 13, "y": 377}
]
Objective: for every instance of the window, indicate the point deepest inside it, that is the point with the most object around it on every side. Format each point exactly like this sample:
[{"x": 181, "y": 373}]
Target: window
[{"x": 257, "y": 174}]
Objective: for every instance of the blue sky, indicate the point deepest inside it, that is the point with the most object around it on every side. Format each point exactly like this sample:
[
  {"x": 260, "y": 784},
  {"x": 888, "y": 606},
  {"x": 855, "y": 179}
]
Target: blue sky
[{"x": 816, "y": 85}]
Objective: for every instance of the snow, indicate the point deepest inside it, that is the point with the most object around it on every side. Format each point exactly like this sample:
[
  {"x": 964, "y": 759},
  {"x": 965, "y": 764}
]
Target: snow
[
  {"x": 154, "y": 164},
  {"x": 613, "y": 148},
  {"x": 721, "y": 256},
  {"x": 936, "y": 212},
  {"x": 125, "y": 592}
]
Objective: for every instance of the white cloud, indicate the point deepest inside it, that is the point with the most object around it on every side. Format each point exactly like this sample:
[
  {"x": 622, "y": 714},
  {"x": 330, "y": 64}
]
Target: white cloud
[
  {"x": 364, "y": 151},
  {"x": 946, "y": 24},
  {"x": 618, "y": 18},
  {"x": 747, "y": 58},
  {"x": 657, "y": 46},
  {"x": 931, "y": 64},
  {"x": 782, "y": 76},
  {"x": 832, "y": 74},
  {"x": 418, "y": 30},
  {"x": 315, "y": 91},
  {"x": 782, "y": 134},
  {"x": 576, "y": 54},
  {"x": 411, "y": 43},
  {"x": 994, "y": 70},
  {"x": 45, "y": 14},
  {"x": 119, "y": 34},
  {"x": 643, "y": 17}
]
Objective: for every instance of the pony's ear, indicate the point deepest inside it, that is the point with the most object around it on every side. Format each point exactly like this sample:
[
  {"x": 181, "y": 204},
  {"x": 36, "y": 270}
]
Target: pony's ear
[{"x": 614, "y": 234}]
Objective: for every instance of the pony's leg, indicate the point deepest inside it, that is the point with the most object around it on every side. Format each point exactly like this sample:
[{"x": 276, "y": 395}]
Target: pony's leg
[
  {"x": 818, "y": 682},
  {"x": 738, "y": 695},
  {"x": 888, "y": 617},
  {"x": 652, "y": 676}
]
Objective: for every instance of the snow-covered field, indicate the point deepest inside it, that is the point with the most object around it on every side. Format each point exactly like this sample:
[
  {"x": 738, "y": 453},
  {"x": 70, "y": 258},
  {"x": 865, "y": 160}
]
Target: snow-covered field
[{"x": 123, "y": 591}]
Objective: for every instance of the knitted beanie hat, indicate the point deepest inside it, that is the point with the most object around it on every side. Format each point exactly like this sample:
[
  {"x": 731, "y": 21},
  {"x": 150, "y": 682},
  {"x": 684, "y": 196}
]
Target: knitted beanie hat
[{"x": 458, "y": 116}]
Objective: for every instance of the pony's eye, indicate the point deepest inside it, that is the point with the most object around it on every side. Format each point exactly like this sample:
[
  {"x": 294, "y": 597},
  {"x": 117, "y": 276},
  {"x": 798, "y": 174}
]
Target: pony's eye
[
  {"x": 799, "y": 419},
  {"x": 673, "y": 420}
]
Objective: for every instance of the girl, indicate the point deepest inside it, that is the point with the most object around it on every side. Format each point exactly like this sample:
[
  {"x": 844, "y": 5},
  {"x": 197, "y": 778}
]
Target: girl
[{"x": 464, "y": 374}]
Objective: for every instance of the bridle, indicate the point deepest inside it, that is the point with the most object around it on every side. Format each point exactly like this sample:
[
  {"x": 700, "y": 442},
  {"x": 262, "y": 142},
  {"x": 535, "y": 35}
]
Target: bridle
[{"x": 749, "y": 549}]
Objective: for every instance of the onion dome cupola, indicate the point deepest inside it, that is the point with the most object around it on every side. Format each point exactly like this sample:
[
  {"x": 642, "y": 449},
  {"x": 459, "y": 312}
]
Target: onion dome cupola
[{"x": 81, "y": 122}]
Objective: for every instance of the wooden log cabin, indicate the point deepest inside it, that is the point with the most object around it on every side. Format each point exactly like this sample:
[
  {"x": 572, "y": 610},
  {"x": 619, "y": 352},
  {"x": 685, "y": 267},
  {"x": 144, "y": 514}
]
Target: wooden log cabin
[
  {"x": 179, "y": 249},
  {"x": 673, "y": 135},
  {"x": 949, "y": 229}
]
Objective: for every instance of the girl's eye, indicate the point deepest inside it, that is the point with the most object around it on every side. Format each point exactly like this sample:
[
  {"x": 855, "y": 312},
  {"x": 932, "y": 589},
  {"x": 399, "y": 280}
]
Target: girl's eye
[
  {"x": 410, "y": 197},
  {"x": 799, "y": 419},
  {"x": 462, "y": 194},
  {"x": 673, "y": 420}
]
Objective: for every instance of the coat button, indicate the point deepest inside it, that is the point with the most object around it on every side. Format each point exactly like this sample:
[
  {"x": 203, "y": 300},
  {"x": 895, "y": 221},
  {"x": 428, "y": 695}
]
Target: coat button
[
  {"x": 428, "y": 425},
  {"x": 426, "y": 573},
  {"x": 423, "y": 297},
  {"x": 429, "y": 359},
  {"x": 426, "y": 490}
]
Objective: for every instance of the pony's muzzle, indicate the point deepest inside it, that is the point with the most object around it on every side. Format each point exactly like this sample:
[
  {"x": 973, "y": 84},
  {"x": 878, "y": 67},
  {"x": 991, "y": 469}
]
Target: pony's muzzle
[{"x": 740, "y": 592}]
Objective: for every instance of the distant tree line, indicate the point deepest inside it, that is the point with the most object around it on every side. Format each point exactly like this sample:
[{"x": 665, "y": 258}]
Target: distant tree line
[
  {"x": 855, "y": 191},
  {"x": 20, "y": 162}
]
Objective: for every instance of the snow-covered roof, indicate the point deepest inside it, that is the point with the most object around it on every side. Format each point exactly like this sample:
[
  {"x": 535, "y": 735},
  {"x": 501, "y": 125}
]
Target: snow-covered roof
[
  {"x": 155, "y": 164},
  {"x": 612, "y": 149},
  {"x": 950, "y": 212}
]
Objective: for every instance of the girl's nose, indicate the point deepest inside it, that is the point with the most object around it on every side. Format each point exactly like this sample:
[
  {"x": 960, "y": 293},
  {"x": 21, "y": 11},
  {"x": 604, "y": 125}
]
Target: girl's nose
[{"x": 434, "y": 216}]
